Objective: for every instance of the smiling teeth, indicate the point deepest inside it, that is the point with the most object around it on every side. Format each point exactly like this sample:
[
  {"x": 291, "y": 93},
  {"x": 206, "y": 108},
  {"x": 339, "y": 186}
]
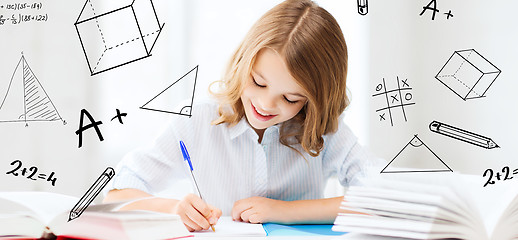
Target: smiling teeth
[{"x": 262, "y": 114}]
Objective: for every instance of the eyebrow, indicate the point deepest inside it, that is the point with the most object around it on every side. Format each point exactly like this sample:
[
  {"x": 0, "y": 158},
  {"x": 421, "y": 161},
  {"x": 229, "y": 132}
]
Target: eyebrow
[{"x": 261, "y": 76}]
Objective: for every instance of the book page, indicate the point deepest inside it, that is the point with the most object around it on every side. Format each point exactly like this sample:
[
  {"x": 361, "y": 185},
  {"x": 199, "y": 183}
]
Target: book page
[
  {"x": 415, "y": 206},
  {"x": 493, "y": 200},
  {"x": 226, "y": 227},
  {"x": 134, "y": 224},
  {"x": 42, "y": 205}
]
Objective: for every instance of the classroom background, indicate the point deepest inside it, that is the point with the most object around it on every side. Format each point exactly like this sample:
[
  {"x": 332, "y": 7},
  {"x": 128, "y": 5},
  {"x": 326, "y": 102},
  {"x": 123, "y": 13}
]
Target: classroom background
[{"x": 400, "y": 48}]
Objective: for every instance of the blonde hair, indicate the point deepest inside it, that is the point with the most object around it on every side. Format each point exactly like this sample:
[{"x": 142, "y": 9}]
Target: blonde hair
[{"x": 314, "y": 50}]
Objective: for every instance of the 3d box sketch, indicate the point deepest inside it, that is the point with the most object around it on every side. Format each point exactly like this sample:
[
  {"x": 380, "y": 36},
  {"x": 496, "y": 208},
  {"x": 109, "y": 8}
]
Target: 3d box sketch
[
  {"x": 468, "y": 74},
  {"x": 117, "y": 32}
]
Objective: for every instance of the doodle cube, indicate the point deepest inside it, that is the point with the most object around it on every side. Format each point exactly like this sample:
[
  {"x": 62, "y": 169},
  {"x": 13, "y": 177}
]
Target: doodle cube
[
  {"x": 117, "y": 32},
  {"x": 468, "y": 74}
]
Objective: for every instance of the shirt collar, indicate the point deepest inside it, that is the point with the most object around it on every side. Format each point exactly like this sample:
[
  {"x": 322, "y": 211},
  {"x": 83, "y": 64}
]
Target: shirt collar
[{"x": 242, "y": 126}]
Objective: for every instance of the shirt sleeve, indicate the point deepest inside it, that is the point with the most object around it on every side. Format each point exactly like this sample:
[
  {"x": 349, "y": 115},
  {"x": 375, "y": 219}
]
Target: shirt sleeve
[
  {"x": 152, "y": 167},
  {"x": 157, "y": 167},
  {"x": 344, "y": 157}
]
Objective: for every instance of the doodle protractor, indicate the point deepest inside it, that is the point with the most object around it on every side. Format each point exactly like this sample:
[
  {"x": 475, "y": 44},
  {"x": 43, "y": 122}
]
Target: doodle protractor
[{"x": 416, "y": 156}]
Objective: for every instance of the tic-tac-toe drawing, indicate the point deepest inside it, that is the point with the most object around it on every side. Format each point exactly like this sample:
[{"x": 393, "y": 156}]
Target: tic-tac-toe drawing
[{"x": 392, "y": 98}]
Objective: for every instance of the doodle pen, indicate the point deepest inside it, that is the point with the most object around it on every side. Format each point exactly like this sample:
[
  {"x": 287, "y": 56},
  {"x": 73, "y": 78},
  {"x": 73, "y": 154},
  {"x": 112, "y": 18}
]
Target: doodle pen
[
  {"x": 187, "y": 158},
  {"x": 363, "y": 7},
  {"x": 92, "y": 192}
]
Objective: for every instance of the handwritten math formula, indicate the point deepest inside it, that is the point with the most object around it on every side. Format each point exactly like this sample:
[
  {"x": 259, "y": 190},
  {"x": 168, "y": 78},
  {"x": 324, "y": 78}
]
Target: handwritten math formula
[
  {"x": 17, "y": 13},
  {"x": 505, "y": 174},
  {"x": 30, "y": 173}
]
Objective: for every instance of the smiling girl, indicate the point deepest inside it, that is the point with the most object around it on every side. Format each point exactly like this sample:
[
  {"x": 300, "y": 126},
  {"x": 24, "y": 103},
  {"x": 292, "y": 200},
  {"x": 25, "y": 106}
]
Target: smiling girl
[{"x": 264, "y": 148}]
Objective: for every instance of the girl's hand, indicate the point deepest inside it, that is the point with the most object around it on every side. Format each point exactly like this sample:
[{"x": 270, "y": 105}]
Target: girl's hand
[
  {"x": 197, "y": 215},
  {"x": 260, "y": 210}
]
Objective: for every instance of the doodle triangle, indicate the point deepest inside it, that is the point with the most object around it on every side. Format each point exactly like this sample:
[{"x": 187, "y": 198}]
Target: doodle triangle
[
  {"x": 25, "y": 99},
  {"x": 416, "y": 157},
  {"x": 177, "y": 98}
]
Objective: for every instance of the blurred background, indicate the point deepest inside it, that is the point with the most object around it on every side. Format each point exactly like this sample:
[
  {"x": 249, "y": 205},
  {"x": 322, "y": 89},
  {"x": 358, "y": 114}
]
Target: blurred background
[{"x": 392, "y": 44}]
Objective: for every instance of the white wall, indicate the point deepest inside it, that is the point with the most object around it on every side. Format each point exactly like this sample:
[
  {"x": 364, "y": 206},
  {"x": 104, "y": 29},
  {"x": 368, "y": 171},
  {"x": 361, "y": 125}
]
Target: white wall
[
  {"x": 408, "y": 45},
  {"x": 391, "y": 40}
]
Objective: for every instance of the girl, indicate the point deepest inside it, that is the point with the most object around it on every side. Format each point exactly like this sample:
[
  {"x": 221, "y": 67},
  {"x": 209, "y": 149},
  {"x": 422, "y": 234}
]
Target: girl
[{"x": 263, "y": 151}]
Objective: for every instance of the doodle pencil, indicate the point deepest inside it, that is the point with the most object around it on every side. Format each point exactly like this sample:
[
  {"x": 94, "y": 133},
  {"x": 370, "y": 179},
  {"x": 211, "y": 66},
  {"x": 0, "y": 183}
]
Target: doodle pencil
[
  {"x": 92, "y": 192},
  {"x": 463, "y": 135}
]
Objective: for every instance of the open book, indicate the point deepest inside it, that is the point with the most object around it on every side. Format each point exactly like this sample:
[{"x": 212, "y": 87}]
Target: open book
[
  {"x": 45, "y": 215},
  {"x": 432, "y": 206}
]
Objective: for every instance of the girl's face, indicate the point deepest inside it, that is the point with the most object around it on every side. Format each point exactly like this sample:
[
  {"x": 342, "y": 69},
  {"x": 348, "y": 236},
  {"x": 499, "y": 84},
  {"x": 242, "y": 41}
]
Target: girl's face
[{"x": 271, "y": 95}]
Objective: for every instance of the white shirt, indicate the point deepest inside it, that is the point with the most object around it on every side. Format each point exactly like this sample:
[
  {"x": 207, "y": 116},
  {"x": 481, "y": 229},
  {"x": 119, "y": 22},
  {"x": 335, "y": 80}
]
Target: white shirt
[{"x": 230, "y": 164}]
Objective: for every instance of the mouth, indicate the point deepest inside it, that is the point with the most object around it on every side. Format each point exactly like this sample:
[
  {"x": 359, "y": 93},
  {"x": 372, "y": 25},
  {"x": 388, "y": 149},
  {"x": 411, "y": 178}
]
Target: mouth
[{"x": 261, "y": 115}]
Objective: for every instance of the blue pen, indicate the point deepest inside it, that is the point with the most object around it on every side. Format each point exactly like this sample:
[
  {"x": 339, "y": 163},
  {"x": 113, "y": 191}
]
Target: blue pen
[{"x": 187, "y": 158}]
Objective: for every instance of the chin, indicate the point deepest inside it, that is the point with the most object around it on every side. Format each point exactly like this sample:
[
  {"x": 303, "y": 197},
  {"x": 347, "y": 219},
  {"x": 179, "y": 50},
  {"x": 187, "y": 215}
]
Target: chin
[{"x": 257, "y": 124}]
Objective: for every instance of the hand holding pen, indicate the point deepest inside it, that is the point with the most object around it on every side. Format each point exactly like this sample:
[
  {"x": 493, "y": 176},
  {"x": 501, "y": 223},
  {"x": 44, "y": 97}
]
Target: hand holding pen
[{"x": 195, "y": 213}]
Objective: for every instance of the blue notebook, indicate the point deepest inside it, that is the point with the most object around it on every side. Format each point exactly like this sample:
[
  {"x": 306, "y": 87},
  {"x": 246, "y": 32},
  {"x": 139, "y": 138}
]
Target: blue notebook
[{"x": 273, "y": 229}]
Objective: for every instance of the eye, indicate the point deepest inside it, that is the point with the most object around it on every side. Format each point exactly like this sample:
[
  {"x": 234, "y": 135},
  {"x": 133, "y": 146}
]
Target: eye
[
  {"x": 257, "y": 84},
  {"x": 289, "y": 101}
]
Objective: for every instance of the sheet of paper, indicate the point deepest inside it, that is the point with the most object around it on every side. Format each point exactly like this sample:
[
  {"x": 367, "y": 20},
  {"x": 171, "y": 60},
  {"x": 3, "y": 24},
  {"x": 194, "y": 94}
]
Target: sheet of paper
[{"x": 227, "y": 227}]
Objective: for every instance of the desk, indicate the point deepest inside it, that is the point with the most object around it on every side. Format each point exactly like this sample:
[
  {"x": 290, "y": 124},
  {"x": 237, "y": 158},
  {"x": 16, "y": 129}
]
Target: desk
[{"x": 271, "y": 238}]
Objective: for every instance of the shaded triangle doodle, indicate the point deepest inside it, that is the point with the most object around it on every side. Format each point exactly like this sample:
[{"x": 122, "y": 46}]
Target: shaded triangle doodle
[
  {"x": 38, "y": 106},
  {"x": 25, "y": 98},
  {"x": 177, "y": 98},
  {"x": 12, "y": 103},
  {"x": 416, "y": 157}
]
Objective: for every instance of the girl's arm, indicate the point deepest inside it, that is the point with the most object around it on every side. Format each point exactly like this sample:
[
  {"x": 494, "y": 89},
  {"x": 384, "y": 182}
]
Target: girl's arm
[
  {"x": 152, "y": 203},
  {"x": 194, "y": 212},
  {"x": 262, "y": 210}
]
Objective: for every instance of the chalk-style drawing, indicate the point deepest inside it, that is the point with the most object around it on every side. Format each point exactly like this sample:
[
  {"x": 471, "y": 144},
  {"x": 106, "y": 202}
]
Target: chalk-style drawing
[
  {"x": 429, "y": 7},
  {"x": 31, "y": 172},
  {"x": 25, "y": 99},
  {"x": 468, "y": 74},
  {"x": 117, "y": 32},
  {"x": 463, "y": 135},
  {"x": 416, "y": 156},
  {"x": 178, "y": 93},
  {"x": 448, "y": 14},
  {"x": 395, "y": 98},
  {"x": 363, "y": 7},
  {"x": 432, "y": 6},
  {"x": 93, "y": 124},
  {"x": 92, "y": 192}
]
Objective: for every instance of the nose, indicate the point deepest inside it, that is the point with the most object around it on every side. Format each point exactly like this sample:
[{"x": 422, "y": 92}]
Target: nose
[{"x": 267, "y": 103}]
